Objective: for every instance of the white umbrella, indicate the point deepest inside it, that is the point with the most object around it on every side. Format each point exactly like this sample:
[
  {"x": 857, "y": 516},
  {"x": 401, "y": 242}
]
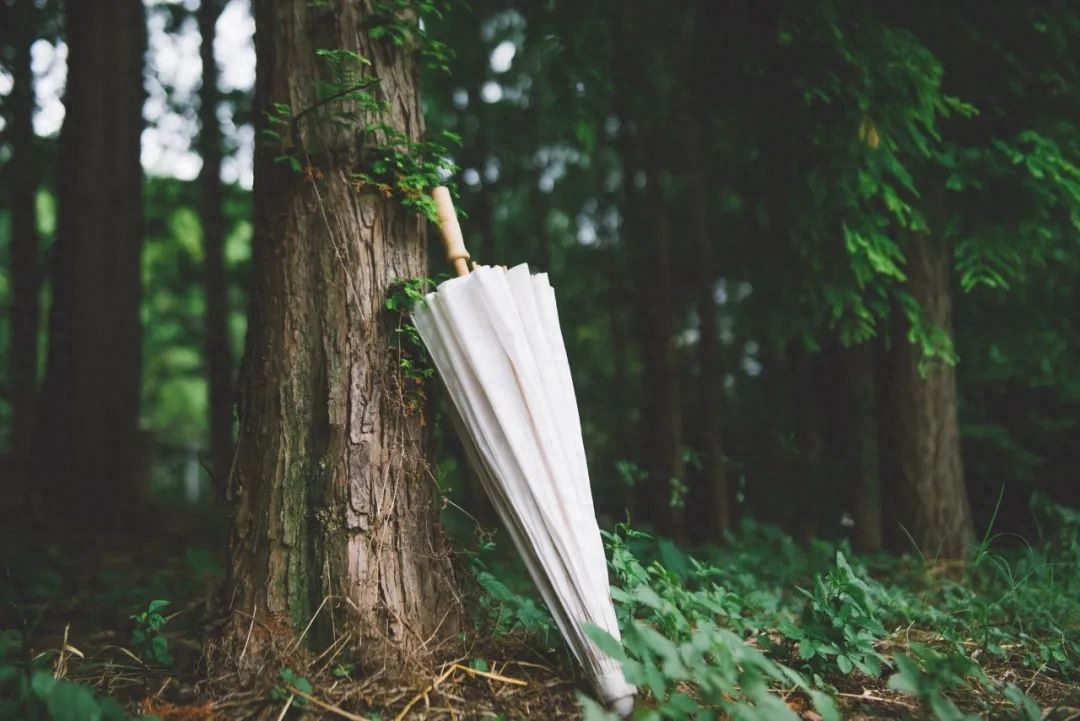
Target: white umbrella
[{"x": 495, "y": 340}]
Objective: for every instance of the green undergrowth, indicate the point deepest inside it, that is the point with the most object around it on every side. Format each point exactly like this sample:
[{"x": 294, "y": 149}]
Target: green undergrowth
[
  {"x": 86, "y": 633},
  {"x": 765, "y": 629},
  {"x": 760, "y": 628}
]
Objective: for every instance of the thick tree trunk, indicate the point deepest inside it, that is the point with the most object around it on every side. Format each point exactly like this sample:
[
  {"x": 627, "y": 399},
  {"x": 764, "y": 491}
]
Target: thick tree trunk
[
  {"x": 864, "y": 477},
  {"x": 218, "y": 356},
  {"x": 25, "y": 253},
  {"x": 926, "y": 496},
  {"x": 332, "y": 496},
  {"x": 86, "y": 433}
]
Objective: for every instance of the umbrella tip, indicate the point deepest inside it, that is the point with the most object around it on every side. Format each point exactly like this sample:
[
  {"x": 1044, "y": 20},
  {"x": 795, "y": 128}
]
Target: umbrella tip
[{"x": 624, "y": 705}]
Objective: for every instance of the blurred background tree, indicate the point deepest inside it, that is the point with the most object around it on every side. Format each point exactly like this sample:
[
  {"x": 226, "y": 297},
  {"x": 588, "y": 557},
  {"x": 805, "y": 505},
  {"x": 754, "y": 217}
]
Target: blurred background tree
[{"x": 816, "y": 261}]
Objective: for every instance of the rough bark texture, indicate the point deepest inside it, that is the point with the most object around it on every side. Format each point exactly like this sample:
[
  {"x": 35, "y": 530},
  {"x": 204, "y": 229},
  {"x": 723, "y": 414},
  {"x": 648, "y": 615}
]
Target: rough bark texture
[
  {"x": 864, "y": 473},
  {"x": 926, "y": 496},
  {"x": 21, "y": 175},
  {"x": 219, "y": 369},
  {"x": 86, "y": 435},
  {"x": 332, "y": 496}
]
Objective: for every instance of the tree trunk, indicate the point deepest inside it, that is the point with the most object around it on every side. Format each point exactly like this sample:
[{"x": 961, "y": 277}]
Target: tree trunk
[
  {"x": 663, "y": 434},
  {"x": 862, "y": 448},
  {"x": 87, "y": 427},
  {"x": 218, "y": 356},
  {"x": 926, "y": 496},
  {"x": 808, "y": 471},
  {"x": 25, "y": 253},
  {"x": 623, "y": 429},
  {"x": 710, "y": 376},
  {"x": 332, "y": 496}
]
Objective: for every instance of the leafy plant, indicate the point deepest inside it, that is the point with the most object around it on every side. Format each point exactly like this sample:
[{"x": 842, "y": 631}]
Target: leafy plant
[
  {"x": 402, "y": 168},
  {"x": 29, "y": 691},
  {"x": 723, "y": 672},
  {"x": 147, "y": 638},
  {"x": 839, "y": 623},
  {"x": 507, "y": 610},
  {"x": 403, "y": 24},
  {"x": 291, "y": 680},
  {"x": 413, "y": 363},
  {"x": 928, "y": 673}
]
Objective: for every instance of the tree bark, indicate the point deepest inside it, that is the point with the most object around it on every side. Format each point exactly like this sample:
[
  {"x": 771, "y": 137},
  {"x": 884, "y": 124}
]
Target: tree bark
[
  {"x": 927, "y": 502},
  {"x": 215, "y": 278},
  {"x": 332, "y": 496},
  {"x": 25, "y": 252},
  {"x": 87, "y": 427}
]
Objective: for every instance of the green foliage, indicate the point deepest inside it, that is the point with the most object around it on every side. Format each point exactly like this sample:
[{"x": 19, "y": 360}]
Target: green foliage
[
  {"x": 928, "y": 677},
  {"x": 405, "y": 295},
  {"x": 399, "y": 167},
  {"x": 839, "y": 624},
  {"x": 630, "y": 473},
  {"x": 674, "y": 639},
  {"x": 506, "y": 610},
  {"x": 393, "y": 164},
  {"x": 30, "y": 692},
  {"x": 344, "y": 95},
  {"x": 174, "y": 406},
  {"x": 147, "y": 637},
  {"x": 403, "y": 23},
  {"x": 414, "y": 365},
  {"x": 291, "y": 682},
  {"x": 742, "y": 629}
]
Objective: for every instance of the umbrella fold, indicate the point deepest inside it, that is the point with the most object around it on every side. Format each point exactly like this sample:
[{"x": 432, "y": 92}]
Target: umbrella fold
[{"x": 495, "y": 340}]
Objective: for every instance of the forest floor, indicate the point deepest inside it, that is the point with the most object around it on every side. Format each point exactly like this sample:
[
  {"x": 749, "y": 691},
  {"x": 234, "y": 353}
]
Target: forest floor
[{"x": 110, "y": 629}]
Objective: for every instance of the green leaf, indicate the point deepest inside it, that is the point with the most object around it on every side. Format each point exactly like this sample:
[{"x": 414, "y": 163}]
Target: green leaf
[
  {"x": 10, "y": 642},
  {"x": 156, "y": 606},
  {"x": 42, "y": 684},
  {"x": 605, "y": 641},
  {"x": 70, "y": 701},
  {"x": 1028, "y": 708},
  {"x": 111, "y": 710},
  {"x": 908, "y": 678},
  {"x": 593, "y": 711},
  {"x": 825, "y": 705}
]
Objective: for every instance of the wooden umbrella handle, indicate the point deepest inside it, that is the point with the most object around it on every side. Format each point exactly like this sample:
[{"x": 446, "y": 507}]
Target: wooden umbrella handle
[{"x": 450, "y": 230}]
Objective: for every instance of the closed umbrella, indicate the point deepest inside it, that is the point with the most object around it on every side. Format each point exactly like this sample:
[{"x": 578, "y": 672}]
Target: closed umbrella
[{"x": 495, "y": 340}]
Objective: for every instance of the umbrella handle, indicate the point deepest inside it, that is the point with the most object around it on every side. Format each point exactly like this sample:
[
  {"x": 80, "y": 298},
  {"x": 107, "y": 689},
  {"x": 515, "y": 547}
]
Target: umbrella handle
[{"x": 450, "y": 230}]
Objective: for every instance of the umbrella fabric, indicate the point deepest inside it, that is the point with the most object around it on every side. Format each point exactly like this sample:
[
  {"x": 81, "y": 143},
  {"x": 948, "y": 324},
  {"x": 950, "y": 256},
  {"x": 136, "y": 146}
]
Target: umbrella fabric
[{"x": 495, "y": 339}]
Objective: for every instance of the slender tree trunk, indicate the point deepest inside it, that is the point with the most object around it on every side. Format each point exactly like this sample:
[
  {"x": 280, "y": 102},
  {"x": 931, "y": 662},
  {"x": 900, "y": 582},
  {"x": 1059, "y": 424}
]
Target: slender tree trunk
[
  {"x": 623, "y": 428},
  {"x": 332, "y": 494},
  {"x": 809, "y": 470},
  {"x": 86, "y": 434},
  {"x": 862, "y": 445},
  {"x": 483, "y": 202},
  {"x": 709, "y": 382},
  {"x": 218, "y": 356},
  {"x": 25, "y": 254},
  {"x": 926, "y": 497},
  {"x": 663, "y": 434}
]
